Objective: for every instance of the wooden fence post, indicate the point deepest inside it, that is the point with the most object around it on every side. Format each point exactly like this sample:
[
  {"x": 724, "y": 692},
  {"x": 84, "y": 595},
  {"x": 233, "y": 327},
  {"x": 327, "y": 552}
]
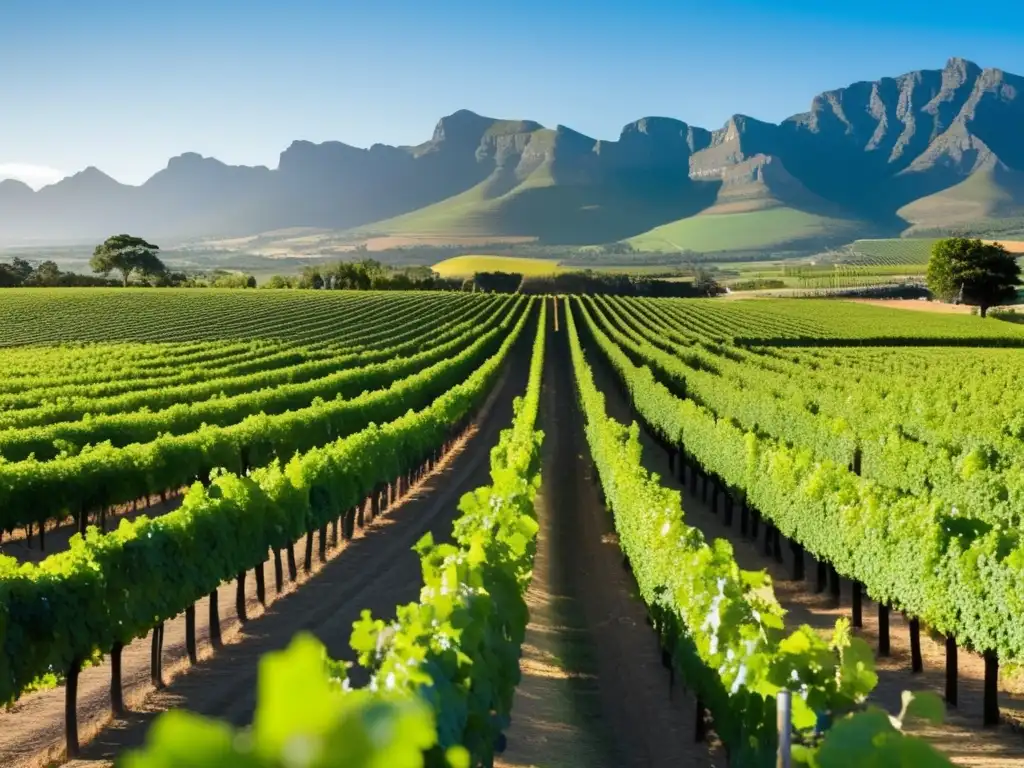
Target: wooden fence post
[{"x": 783, "y": 722}]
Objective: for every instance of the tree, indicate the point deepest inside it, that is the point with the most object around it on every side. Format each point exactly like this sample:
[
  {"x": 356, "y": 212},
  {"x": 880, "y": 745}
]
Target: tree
[
  {"x": 278, "y": 281},
  {"x": 311, "y": 278},
  {"x": 498, "y": 282},
  {"x": 977, "y": 273},
  {"x": 16, "y": 273},
  {"x": 127, "y": 255},
  {"x": 46, "y": 274},
  {"x": 705, "y": 284}
]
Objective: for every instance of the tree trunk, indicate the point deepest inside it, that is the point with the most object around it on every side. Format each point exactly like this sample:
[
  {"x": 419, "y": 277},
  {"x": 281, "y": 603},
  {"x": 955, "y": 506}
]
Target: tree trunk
[
  {"x": 951, "y": 671},
  {"x": 261, "y": 585},
  {"x": 293, "y": 571},
  {"x": 916, "y": 661},
  {"x": 116, "y": 692},
  {"x": 190, "y": 634},
  {"x": 798, "y": 559},
  {"x": 833, "y": 582},
  {"x": 991, "y": 702},
  {"x": 307, "y": 560},
  {"x": 240, "y": 598},
  {"x": 71, "y": 709},
  {"x": 883, "y": 629},
  {"x": 215, "y": 639},
  {"x": 157, "y": 657}
]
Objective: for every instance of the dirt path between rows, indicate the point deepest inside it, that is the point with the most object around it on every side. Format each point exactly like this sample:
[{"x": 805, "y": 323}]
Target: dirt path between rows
[
  {"x": 962, "y": 737},
  {"x": 594, "y": 693},
  {"x": 376, "y": 570}
]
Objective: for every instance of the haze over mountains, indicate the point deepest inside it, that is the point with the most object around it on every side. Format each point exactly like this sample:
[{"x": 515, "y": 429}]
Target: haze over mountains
[{"x": 929, "y": 148}]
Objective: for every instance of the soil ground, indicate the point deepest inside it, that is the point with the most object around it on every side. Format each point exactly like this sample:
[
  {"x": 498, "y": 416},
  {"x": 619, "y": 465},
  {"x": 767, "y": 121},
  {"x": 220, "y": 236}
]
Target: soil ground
[
  {"x": 962, "y": 736},
  {"x": 594, "y": 693},
  {"x": 919, "y": 306}
]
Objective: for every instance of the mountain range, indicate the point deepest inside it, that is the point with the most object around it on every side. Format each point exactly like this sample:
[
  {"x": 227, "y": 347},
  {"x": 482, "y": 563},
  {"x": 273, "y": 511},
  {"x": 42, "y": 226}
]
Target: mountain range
[{"x": 927, "y": 149}]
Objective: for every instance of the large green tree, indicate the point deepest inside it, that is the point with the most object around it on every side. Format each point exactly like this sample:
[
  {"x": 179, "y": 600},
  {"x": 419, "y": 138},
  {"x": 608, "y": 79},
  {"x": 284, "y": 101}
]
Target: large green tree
[
  {"x": 974, "y": 272},
  {"x": 127, "y": 254}
]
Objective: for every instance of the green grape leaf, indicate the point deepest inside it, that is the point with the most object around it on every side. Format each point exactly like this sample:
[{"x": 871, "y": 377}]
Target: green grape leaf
[
  {"x": 925, "y": 705},
  {"x": 296, "y": 698},
  {"x": 852, "y": 741},
  {"x": 803, "y": 717},
  {"x": 180, "y": 739}
]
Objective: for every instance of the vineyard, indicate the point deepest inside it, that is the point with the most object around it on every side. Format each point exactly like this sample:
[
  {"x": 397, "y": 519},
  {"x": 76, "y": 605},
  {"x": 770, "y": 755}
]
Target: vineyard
[
  {"x": 375, "y": 529},
  {"x": 892, "y": 252}
]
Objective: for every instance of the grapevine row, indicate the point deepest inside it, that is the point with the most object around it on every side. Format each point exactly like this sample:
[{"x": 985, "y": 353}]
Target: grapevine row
[
  {"x": 34, "y": 317},
  {"x": 33, "y": 492},
  {"x": 724, "y": 635},
  {"x": 908, "y": 554},
  {"x": 116, "y": 420},
  {"x": 865, "y": 441},
  {"x": 422, "y": 702},
  {"x": 111, "y": 588},
  {"x": 369, "y": 337}
]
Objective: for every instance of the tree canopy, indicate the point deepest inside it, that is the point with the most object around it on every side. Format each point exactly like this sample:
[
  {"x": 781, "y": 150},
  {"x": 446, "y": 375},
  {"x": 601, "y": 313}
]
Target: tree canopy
[
  {"x": 974, "y": 272},
  {"x": 127, "y": 254}
]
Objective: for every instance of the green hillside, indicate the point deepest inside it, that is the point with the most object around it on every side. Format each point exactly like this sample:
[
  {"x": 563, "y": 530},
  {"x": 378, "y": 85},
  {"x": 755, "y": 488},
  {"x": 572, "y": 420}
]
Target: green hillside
[
  {"x": 985, "y": 196},
  {"x": 557, "y": 213},
  {"x": 770, "y": 228},
  {"x": 477, "y": 211}
]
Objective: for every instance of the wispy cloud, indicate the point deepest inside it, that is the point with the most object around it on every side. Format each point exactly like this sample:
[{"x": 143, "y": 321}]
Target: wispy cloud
[{"x": 35, "y": 176}]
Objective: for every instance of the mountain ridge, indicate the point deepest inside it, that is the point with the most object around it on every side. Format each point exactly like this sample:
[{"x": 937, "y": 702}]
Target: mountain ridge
[{"x": 893, "y": 153}]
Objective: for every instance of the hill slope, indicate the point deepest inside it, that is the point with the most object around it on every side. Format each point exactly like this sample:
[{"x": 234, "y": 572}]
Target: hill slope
[
  {"x": 772, "y": 228},
  {"x": 989, "y": 194}
]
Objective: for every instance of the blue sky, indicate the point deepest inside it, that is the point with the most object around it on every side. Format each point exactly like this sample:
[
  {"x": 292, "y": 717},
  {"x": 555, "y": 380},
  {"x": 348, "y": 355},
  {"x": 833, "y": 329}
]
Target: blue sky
[{"x": 126, "y": 85}]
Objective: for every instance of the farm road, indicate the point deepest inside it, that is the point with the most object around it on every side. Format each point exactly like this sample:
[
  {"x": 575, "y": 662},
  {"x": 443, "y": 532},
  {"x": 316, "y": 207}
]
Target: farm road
[{"x": 594, "y": 693}]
